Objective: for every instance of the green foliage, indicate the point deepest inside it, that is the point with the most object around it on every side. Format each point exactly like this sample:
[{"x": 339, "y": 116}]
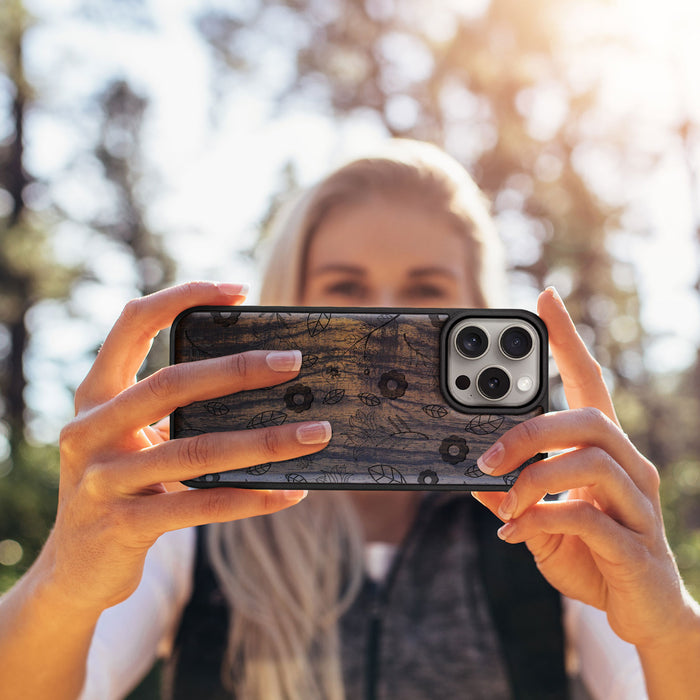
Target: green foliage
[
  {"x": 681, "y": 490},
  {"x": 29, "y": 273},
  {"x": 28, "y": 498}
]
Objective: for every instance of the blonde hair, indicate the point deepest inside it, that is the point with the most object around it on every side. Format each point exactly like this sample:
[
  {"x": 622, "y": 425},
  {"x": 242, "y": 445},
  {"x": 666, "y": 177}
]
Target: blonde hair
[
  {"x": 288, "y": 577},
  {"x": 402, "y": 168}
]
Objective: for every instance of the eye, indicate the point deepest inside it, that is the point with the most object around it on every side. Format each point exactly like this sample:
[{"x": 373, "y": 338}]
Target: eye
[
  {"x": 348, "y": 289},
  {"x": 427, "y": 291}
]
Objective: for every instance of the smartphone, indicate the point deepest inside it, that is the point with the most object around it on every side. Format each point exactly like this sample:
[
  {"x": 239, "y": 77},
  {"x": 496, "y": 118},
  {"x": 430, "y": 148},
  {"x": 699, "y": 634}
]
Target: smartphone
[{"x": 414, "y": 396}]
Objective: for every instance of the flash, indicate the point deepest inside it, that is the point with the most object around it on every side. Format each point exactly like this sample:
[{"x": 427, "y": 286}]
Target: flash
[{"x": 524, "y": 383}]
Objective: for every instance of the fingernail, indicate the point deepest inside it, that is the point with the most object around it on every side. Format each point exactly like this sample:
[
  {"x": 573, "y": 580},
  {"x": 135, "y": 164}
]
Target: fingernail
[
  {"x": 295, "y": 496},
  {"x": 314, "y": 433},
  {"x": 491, "y": 459},
  {"x": 284, "y": 360},
  {"x": 555, "y": 293},
  {"x": 507, "y": 508},
  {"x": 233, "y": 290},
  {"x": 505, "y": 531}
]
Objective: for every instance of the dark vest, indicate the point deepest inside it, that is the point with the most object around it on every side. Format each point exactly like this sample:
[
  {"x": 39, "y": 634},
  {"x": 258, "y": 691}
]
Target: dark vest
[{"x": 434, "y": 629}]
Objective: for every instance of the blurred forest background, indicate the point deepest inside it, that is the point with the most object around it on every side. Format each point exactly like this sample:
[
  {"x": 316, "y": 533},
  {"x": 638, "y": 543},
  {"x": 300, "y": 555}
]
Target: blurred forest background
[{"x": 579, "y": 118}]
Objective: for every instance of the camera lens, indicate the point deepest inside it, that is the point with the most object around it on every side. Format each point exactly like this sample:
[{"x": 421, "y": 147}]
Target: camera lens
[
  {"x": 462, "y": 382},
  {"x": 493, "y": 383},
  {"x": 516, "y": 342},
  {"x": 472, "y": 342}
]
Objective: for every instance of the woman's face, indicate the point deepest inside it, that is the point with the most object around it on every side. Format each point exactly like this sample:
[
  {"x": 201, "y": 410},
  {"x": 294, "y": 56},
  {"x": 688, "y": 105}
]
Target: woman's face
[{"x": 386, "y": 253}]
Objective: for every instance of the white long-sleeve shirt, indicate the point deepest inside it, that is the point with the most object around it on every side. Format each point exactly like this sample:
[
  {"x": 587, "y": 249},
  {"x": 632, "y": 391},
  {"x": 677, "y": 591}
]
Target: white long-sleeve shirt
[{"x": 130, "y": 636}]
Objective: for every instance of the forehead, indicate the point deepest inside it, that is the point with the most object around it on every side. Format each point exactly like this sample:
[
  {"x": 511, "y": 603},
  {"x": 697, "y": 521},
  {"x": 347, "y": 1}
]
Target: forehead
[{"x": 387, "y": 233}]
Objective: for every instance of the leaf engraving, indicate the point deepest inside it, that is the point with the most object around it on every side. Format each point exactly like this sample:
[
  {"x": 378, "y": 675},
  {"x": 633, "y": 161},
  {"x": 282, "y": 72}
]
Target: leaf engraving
[
  {"x": 317, "y": 323},
  {"x": 267, "y": 418},
  {"x": 309, "y": 361},
  {"x": 217, "y": 408},
  {"x": 335, "y": 475},
  {"x": 369, "y": 399},
  {"x": 334, "y": 396},
  {"x": 259, "y": 469},
  {"x": 511, "y": 478},
  {"x": 484, "y": 424},
  {"x": 435, "y": 410},
  {"x": 473, "y": 472},
  {"x": 384, "y": 474}
]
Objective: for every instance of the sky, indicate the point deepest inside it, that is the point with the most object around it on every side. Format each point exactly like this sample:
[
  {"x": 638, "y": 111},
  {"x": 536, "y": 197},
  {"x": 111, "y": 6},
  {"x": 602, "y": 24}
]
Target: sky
[{"x": 216, "y": 169}]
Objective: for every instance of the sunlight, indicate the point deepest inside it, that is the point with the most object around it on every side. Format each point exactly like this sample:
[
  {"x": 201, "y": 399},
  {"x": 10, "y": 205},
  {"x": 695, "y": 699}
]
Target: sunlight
[{"x": 645, "y": 58}]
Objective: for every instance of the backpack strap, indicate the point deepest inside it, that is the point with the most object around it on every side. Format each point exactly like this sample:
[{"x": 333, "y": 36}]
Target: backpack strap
[
  {"x": 194, "y": 667},
  {"x": 526, "y": 611}
]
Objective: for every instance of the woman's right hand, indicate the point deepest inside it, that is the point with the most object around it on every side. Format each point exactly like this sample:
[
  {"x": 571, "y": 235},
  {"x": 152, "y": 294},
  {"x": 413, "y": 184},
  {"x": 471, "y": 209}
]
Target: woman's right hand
[{"x": 113, "y": 499}]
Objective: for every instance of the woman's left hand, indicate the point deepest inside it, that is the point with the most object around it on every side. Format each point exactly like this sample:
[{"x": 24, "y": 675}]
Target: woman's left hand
[{"x": 604, "y": 542}]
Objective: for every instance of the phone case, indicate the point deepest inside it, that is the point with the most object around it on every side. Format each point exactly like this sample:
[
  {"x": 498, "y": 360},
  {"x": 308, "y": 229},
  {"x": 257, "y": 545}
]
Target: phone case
[{"x": 376, "y": 374}]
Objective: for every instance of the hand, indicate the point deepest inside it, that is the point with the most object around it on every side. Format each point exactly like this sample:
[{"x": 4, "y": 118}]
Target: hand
[
  {"x": 604, "y": 542},
  {"x": 113, "y": 499}
]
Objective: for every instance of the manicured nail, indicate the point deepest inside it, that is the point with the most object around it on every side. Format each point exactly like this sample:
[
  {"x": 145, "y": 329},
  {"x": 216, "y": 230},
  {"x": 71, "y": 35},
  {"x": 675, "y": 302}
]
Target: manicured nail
[
  {"x": 491, "y": 459},
  {"x": 233, "y": 290},
  {"x": 295, "y": 496},
  {"x": 284, "y": 360},
  {"x": 505, "y": 531},
  {"x": 555, "y": 293},
  {"x": 507, "y": 508},
  {"x": 314, "y": 433}
]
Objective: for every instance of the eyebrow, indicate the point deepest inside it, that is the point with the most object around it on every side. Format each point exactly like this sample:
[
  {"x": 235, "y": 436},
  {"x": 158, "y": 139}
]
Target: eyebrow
[
  {"x": 430, "y": 271},
  {"x": 359, "y": 271},
  {"x": 339, "y": 267}
]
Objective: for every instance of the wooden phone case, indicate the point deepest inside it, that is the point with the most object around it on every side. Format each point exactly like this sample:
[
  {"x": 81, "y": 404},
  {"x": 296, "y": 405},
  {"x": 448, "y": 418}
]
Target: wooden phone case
[{"x": 376, "y": 374}]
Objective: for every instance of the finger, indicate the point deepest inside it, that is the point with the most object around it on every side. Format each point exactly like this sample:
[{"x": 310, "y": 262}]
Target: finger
[
  {"x": 580, "y": 373},
  {"x": 551, "y": 432},
  {"x": 188, "y": 458},
  {"x": 491, "y": 499},
  {"x": 130, "y": 339},
  {"x": 158, "y": 432},
  {"x": 161, "y": 429},
  {"x": 172, "y": 511},
  {"x": 606, "y": 538},
  {"x": 179, "y": 385},
  {"x": 591, "y": 468},
  {"x": 543, "y": 545}
]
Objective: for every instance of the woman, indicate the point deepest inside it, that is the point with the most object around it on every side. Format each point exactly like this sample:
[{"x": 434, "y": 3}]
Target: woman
[{"x": 405, "y": 229}]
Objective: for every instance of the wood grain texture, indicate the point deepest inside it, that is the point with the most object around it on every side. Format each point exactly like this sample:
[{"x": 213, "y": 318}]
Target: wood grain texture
[{"x": 374, "y": 376}]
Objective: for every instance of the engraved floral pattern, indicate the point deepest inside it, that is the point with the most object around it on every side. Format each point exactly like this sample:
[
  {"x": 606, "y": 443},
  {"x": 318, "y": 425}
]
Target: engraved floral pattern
[
  {"x": 428, "y": 476},
  {"x": 454, "y": 449},
  {"x": 225, "y": 318},
  {"x": 298, "y": 398},
  {"x": 393, "y": 384},
  {"x": 375, "y": 377}
]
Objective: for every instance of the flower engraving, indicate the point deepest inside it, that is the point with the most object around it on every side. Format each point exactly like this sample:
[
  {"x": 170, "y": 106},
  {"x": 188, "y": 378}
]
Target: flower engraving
[
  {"x": 392, "y": 385},
  {"x": 454, "y": 449},
  {"x": 225, "y": 318},
  {"x": 299, "y": 398},
  {"x": 428, "y": 477}
]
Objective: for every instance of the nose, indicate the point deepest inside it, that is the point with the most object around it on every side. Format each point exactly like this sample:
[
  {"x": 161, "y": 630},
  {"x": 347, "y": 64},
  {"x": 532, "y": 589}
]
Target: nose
[{"x": 386, "y": 296}]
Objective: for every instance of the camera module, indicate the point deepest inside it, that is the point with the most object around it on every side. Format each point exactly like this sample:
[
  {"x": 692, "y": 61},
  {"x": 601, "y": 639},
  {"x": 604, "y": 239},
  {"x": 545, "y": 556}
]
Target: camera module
[
  {"x": 493, "y": 383},
  {"x": 493, "y": 361},
  {"x": 472, "y": 342},
  {"x": 515, "y": 342}
]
